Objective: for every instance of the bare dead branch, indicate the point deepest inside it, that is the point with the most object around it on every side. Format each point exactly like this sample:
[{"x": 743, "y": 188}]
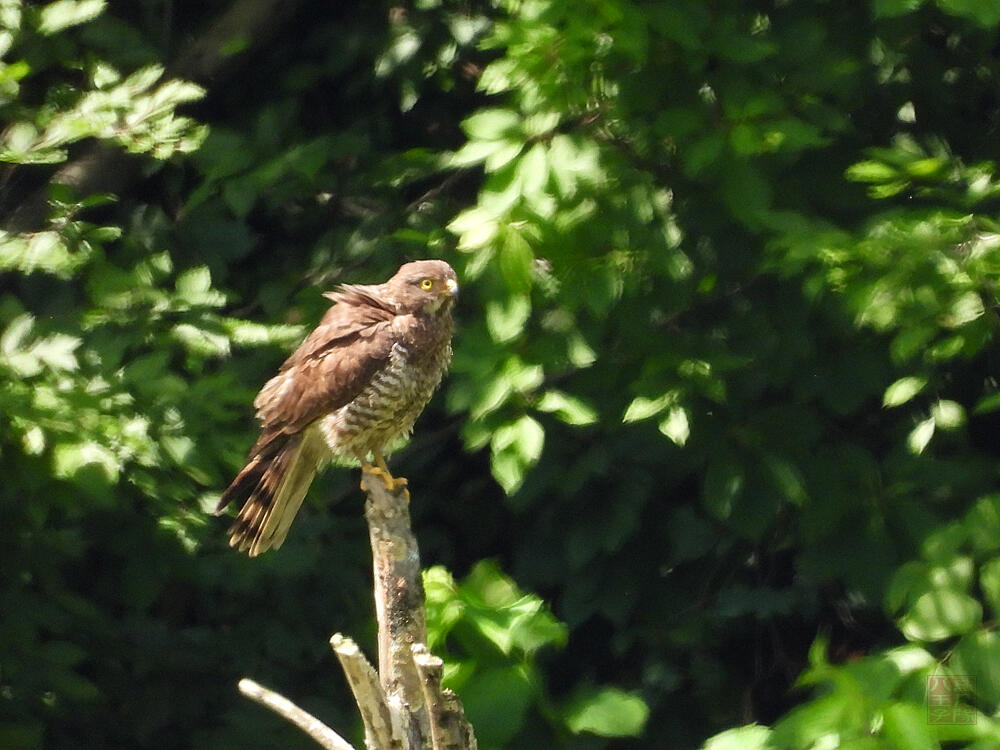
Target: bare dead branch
[
  {"x": 403, "y": 706},
  {"x": 449, "y": 728},
  {"x": 399, "y": 595},
  {"x": 305, "y": 721},
  {"x": 364, "y": 682}
]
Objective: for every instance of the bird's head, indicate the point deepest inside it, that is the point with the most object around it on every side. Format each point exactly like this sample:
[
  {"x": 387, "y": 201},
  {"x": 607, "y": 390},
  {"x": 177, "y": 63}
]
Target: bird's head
[{"x": 428, "y": 286}]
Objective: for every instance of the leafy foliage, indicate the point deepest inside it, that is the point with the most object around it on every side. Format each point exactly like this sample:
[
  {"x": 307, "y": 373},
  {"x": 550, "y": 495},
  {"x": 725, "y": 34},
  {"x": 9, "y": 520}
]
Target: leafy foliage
[{"x": 724, "y": 388}]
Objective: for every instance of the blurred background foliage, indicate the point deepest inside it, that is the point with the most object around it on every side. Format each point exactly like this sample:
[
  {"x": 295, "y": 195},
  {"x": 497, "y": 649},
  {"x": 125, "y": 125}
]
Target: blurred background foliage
[{"x": 716, "y": 465}]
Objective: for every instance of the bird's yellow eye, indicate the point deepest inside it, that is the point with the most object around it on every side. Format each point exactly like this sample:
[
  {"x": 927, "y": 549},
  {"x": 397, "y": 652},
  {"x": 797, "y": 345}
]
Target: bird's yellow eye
[{"x": 426, "y": 283}]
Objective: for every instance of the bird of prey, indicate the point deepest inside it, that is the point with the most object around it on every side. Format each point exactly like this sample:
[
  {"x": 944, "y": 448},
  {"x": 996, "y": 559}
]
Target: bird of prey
[{"x": 352, "y": 389}]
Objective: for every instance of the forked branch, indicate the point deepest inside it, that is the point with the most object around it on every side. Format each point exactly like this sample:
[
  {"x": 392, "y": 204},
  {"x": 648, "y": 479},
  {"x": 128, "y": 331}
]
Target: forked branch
[{"x": 403, "y": 705}]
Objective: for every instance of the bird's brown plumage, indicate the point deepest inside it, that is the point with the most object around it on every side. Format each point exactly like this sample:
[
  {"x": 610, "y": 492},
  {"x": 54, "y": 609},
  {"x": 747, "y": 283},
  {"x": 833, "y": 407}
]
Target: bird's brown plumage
[{"x": 352, "y": 389}]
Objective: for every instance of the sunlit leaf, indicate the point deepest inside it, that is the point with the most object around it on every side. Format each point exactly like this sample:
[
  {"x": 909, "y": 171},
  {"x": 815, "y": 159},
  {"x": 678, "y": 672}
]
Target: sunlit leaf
[
  {"x": 871, "y": 171},
  {"x": 62, "y": 14},
  {"x": 966, "y": 308},
  {"x": 492, "y": 124},
  {"x": 989, "y": 580},
  {"x": 941, "y": 614},
  {"x": 507, "y": 318},
  {"x": 676, "y": 426},
  {"x": 988, "y": 404},
  {"x": 903, "y": 390},
  {"x": 921, "y": 435},
  {"x": 643, "y": 407},
  {"x": 16, "y": 333},
  {"x": 533, "y": 170},
  {"x": 569, "y": 409},
  {"x": 69, "y": 459},
  {"x": 57, "y": 351},
  {"x": 750, "y": 737},
  {"x": 475, "y": 152},
  {"x": 948, "y": 414},
  {"x": 984, "y": 12},
  {"x": 516, "y": 260},
  {"x": 200, "y": 340},
  {"x": 607, "y": 712},
  {"x": 194, "y": 282},
  {"x": 515, "y": 448}
]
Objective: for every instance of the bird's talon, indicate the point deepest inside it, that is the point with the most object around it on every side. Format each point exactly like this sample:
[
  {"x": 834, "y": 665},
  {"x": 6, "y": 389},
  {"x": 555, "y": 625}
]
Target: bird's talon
[{"x": 392, "y": 484}]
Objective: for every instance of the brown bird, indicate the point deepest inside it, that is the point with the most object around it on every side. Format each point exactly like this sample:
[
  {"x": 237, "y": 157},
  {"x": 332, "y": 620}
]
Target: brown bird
[{"x": 352, "y": 389}]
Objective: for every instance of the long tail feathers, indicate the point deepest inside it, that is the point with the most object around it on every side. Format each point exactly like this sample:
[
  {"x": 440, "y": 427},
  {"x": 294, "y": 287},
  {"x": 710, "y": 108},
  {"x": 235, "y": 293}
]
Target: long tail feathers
[{"x": 274, "y": 483}]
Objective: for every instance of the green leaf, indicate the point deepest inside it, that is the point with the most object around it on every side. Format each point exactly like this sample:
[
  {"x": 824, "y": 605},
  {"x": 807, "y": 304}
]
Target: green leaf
[
  {"x": 786, "y": 478},
  {"x": 18, "y": 141},
  {"x": 989, "y": 581},
  {"x": 749, "y": 737},
  {"x": 964, "y": 309},
  {"x": 515, "y": 447},
  {"x": 69, "y": 460},
  {"x": 194, "y": 282},
  {"x": 987, "y": 404},
  {"x": 15, "y": 335},
  {"x": 722, "y": 487},
  {"x": 984, "y": 12},
  {"x": 920, "y": 436},
  {"x": 508, "y": 686},
  {"x": 533, "y": 171},
  {"x": 516, "y": 261},
  {"x": 607, "y": 712},
  {"x": 977, "y": 655},
  {"x": 644, "y": 408},
  {"x": 982, "y": 524},
  {"x": 475, "y": 152},
  {"x": 505, "y": 319},
  {"x": 249, "y": 333},
  {"x": 528, "y": 439},
  {"x": 57, "y": 351},
  {"x": 34, "y": 441},
  {"x": 871, "y": 171},
  {"x": 941, "y": 614},
  {"x": 947, "y": 414},
  {"x": 676, "y": 426},
  {"x": 579, "y": 351},
  {"x": 501, "y": 156},
  {"x": 200, "y": 341},
  {"x": 507, "y": 469},
  {"x": 905, "y": 726},
  {"x": 493, "y": 125},
  {"x": 569, "y": 409},
  {"x": 892, "y": 8},
  {"x": 62, "y": 14},
  {"x": 903, "y": 390},
  {"x": 475, "y": 227}
]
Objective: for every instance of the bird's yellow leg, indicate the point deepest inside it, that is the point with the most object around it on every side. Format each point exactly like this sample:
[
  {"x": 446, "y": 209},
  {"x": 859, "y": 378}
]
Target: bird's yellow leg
[{"x": 380, "y": 469}]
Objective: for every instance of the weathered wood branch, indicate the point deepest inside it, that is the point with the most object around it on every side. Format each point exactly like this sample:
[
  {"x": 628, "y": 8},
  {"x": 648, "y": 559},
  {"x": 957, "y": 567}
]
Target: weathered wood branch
[
  {"x": 305, "y": 721},
  {"x": 450, "y": 730},
  {"x": 361, "y": 676},
  {"x": 399, "y": 600},
  {"x": 403, "y": 705}
]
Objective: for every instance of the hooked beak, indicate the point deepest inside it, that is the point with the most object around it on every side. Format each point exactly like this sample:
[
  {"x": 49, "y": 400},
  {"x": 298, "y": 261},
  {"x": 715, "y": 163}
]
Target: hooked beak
[{"x": 452, "y": 287}]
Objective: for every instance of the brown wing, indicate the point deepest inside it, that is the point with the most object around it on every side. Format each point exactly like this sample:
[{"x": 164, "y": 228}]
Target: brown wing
[
  {"x": 330, "y": 367},
  {"x": 327, "y": 371}
]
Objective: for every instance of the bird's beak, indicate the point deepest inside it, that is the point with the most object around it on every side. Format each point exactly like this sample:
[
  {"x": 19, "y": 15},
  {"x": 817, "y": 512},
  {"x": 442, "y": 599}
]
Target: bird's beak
[{"x": 451, "y": 286}]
